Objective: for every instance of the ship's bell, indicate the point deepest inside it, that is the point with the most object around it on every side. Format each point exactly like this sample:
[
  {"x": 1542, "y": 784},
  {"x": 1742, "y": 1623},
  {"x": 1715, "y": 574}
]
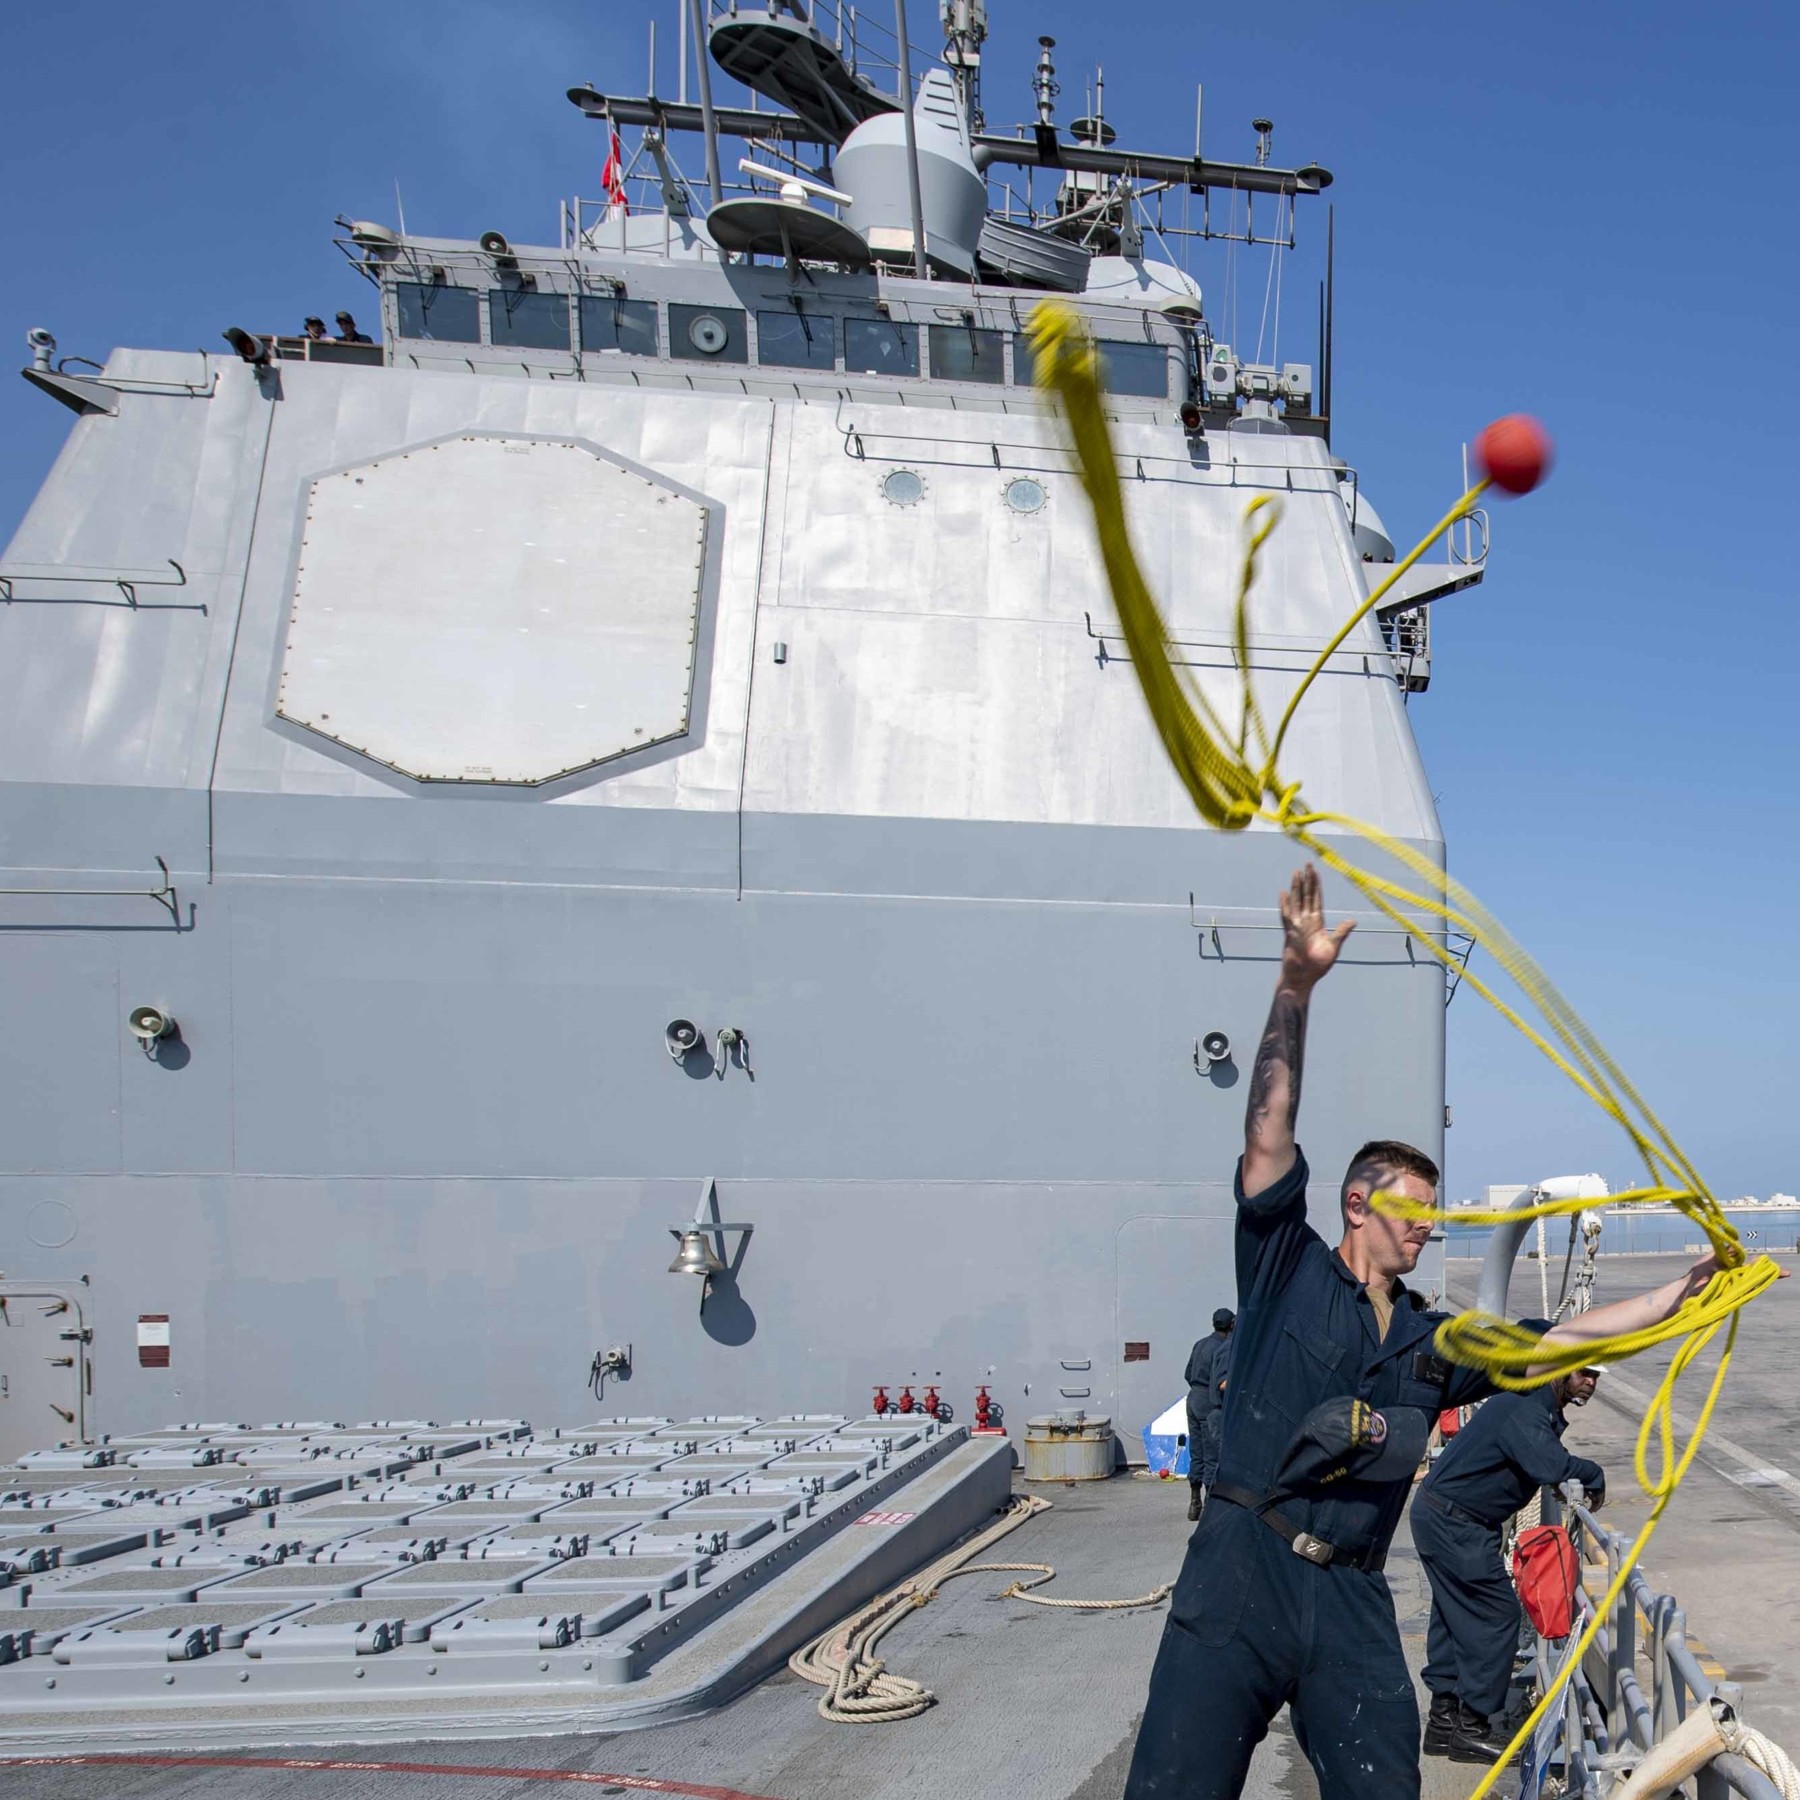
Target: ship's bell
[{"x": 696, "y": 1256}]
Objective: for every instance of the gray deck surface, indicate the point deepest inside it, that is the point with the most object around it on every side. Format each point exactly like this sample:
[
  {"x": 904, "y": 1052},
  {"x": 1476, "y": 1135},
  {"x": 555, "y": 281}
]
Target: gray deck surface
[{"x": 1042, "y": 1705}]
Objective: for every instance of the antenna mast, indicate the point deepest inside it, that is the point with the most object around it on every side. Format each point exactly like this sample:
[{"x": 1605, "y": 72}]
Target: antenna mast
[{"x": 965, "y": 28}]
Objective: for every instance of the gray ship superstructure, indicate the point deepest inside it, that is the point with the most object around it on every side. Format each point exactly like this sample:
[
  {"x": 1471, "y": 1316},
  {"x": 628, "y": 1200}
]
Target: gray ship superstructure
[{"x": 640, "y": 762}]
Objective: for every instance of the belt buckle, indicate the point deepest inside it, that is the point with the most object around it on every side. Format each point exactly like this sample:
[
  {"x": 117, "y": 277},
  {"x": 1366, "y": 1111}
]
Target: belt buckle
[{"x": 1315, "y": 1550}]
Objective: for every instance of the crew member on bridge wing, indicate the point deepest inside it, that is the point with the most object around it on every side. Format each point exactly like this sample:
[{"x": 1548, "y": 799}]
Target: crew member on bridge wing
[{"x": 1333, "y": 1385}]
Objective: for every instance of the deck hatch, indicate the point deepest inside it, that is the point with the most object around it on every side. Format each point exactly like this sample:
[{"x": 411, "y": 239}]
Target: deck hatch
[{"x": 322, "y": 1618}]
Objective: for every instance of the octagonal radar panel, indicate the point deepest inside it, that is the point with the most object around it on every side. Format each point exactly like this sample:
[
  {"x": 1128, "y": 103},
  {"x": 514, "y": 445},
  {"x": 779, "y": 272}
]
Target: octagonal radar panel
[{"x": 495, "y": 611}]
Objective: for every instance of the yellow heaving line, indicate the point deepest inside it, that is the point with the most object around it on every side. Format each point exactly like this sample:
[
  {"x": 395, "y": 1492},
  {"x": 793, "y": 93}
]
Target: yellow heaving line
[{"x": 1231, "y": 770}]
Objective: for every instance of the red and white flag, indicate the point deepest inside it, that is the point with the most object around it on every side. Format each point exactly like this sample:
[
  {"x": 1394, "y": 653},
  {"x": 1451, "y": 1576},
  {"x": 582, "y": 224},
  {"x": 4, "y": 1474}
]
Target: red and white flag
[{"x": 612, "y": 176}]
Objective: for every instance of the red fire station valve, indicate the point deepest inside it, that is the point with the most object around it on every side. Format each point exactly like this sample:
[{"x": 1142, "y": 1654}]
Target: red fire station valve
[
  {"x": 982, "y": 1403},
  {"x": 906, "y": 1398},
  {"x": 931, "y": 1401},
  {"x": 881, "y": 1401}
]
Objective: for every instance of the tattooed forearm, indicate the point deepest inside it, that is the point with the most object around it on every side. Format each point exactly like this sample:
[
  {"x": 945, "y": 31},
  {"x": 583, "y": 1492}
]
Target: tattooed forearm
[
  {"x": 1309, "y": 948},
  {"x": 1275, "y": 1080}
]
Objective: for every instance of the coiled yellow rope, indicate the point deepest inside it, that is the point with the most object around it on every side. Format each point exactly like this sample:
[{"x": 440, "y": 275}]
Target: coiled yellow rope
[{"x": 1231, "y": 770}]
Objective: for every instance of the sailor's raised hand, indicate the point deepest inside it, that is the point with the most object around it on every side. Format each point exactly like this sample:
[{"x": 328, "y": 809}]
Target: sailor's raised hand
[{"x": 1309, "y": 946}]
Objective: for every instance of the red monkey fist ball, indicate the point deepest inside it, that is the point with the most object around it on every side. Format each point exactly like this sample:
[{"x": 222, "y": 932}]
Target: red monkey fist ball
[{"x": 1514, "y": 453}]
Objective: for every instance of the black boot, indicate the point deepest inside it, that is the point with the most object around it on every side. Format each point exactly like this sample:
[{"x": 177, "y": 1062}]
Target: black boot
[
  {"x": 1440, "y": 1724},
  {"x": 1475, "y": 1739},
  {"x": 1194, "y": 1503}
]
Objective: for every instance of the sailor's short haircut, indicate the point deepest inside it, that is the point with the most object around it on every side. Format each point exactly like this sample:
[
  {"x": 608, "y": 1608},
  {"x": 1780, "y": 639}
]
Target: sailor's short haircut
[{"x": 1378, "y": 1162}]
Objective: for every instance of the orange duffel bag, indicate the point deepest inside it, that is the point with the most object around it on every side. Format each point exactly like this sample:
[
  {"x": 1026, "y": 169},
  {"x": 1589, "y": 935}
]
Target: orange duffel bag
[{"x": 1547, "y": 1574}]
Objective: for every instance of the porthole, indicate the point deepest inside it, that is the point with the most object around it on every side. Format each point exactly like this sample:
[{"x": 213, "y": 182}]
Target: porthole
[
  {"x": 903, "y": 487},
  {"x": 708, "y": 335},
  {"x": 1025, "y": 495}
]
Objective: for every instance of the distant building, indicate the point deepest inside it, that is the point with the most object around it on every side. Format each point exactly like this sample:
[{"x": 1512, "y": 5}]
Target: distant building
[
  {"x": 1783, "y": 1200},
  {"x": 1498, "y": 1197}
]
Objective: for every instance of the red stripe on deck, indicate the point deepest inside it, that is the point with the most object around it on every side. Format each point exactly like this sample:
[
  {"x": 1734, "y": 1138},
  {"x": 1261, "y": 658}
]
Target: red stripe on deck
[{"x": 647, "y": 1784}]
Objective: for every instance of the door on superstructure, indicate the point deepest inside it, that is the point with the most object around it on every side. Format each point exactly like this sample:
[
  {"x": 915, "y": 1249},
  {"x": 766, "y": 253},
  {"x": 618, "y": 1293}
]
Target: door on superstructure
[
  {"x": 43, "y": 1368},
  {"x": 1172, "y": 1272}
]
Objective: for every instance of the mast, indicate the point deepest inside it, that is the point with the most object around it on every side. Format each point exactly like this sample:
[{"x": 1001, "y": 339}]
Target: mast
[
  {"x": 715, "y": 187},
  {"x": 912, "y": 141}
]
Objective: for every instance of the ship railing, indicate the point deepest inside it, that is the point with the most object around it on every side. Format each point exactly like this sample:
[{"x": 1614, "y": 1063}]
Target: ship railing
[
  {"x": 1639, "y": 1680},
  {"x": 868, "y": 47},
  {"x": 600, "y": 224},
  {"x": 1470, "y": 546},
  {"x": 603, "y": 225},
  {"x": 864, "y": 435}
]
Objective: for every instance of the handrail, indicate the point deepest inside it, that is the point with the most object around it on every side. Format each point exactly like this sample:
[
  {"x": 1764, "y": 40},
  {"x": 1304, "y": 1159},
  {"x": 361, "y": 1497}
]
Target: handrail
[
  {"x": 166, "y": 895},
  {"x": 1606, "y": 1721},
  {"x": 1745, "y": 1778},
  {"x": 1469, "y": 557},
  {"x": 127, "y": 581},
  {"x": 1057, "y": 459},
  {"x": 131, "y": 384},
  {"x": 862, "y": 40}
]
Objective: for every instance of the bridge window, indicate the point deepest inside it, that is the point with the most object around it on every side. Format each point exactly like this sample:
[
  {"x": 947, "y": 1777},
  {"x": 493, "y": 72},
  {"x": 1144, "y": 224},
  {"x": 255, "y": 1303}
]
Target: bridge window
[
  {"x": 880, "y": 347},
  {"x": 434, "y": 310},
  {"x": 1140, "y": 369},
  {"x": 708, "y": 334},
  {"x": 324, "y": 350},
  {"x": 792, "y": 340},
  {"x": 531, "y": 321},
  {"x": 609, "y": 323},
  {"x": 966, "y": 353}
]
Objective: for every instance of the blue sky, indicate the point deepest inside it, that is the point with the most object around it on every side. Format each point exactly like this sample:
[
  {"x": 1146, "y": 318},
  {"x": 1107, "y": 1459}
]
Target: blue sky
[{"x": 1581, "y": 212}]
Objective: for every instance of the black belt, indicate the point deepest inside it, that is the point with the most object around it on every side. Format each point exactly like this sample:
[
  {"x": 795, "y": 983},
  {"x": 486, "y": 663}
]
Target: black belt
[
  {"x": 1302, "y": 1543},
  {"x": 1455, "y": 1511}
]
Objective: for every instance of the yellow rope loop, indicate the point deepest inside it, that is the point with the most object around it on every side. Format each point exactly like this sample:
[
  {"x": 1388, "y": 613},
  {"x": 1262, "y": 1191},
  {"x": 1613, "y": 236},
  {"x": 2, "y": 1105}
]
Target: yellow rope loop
[
  {"x": 1417, "y": 895},
  {"x": 1285, "y": 803}
]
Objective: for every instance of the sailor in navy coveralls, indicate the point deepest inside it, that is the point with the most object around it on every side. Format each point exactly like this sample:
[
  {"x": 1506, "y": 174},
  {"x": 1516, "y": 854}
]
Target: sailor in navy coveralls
[
  {"x": 1504, "y": 1455},
  {"x": 1206, "y": 1366},
  {"x": 1334, "y": 1383}
]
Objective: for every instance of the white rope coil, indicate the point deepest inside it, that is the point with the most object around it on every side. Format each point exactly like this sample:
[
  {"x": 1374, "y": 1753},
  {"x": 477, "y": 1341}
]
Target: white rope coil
[
  {"x": 1763, "y": 1753},
  {"x": 860, "y": 1690}
]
